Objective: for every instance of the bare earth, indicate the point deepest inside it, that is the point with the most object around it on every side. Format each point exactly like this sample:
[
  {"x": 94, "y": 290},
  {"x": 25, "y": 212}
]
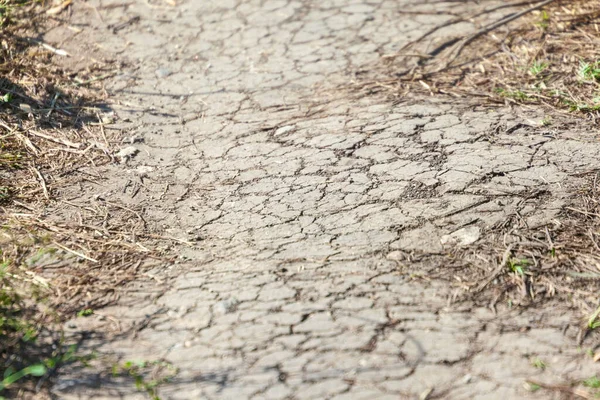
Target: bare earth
[{"x": 309, "y": 208}]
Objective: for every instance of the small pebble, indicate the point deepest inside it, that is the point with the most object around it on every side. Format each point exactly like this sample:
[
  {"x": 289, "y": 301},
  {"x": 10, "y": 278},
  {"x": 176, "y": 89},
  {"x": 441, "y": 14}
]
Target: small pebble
[
  {"x": 225, "y": 306},
  {"x": 162, "y": 72}
]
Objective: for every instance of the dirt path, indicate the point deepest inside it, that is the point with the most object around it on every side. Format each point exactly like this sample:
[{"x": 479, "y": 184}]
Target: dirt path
[{"x": 305, "y": 207}]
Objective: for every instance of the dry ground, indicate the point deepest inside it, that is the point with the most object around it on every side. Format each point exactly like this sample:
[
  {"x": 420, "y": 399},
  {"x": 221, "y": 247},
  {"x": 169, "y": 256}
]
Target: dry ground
[{"x": 331, "y": 229}]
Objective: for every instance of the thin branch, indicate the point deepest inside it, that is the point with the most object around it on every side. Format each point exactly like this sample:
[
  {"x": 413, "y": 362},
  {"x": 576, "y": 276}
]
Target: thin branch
[{"x": 495, "y": 25}]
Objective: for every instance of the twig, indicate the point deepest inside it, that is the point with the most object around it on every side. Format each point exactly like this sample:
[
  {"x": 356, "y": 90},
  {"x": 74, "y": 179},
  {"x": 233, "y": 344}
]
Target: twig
[
  {"x": 27, "y": 142},
  {"x": 137, "y": 214},
  {"x": 66, "y": 142},
  {"x": 76, "y": 253},
  {"x": 54, "y": 50},
  {"x": 42, "y": 182},
  {"x": 25, "y": 206},
  {"x": 117, "y": 27},
  {"x": 563, "y": 388},
  {"x": 102, "y": 131},
  {"x": 499, "y": 268},
  {"x": 586, "y": 213},
  {"x": 583, "y": 275},
  {"x": 417, "y": 55},
  {"x": 153, "y": 236},
  {"x": 52, "y": 104},
  {"x": 96, "y": 79},
  {"x": 466, "y": 41},
  {"x": 461, "y": 19}
]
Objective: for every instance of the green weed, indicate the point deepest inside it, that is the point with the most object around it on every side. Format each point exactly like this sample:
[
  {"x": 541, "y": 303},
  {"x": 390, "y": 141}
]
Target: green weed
[
  {"x": 592, "y": 382},
  {"x": 588, "y": 71},
  {"x": 532, "y": 387},
  {"x": 139, "y": 371},
  {"x": 85, "y": 312},
  {"x": 16, "y": 328},
  {"x": 40, "y": 254},
  {"x": 593, "y": 321},
  {"x": 22, "y": 319},
  {"x": 581, "y": 107},
  {"x": 539, "y": 364},
  {"x": 537, "y": 68},
  {"x": 544, "y": 21},
  {"x": 518, "y": 266},
  {"x": 59, "y": 357},
  {"x": 518, "y": 95},
  {"x": 11, "y": 377},
  {"x": 7, "y": 9}
]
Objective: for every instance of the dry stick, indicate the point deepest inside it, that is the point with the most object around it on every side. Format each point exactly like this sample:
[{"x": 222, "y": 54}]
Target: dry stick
[
  {"x": 137, "y": 214},
  {"x": 75, "y": 252},
  {"x": 27, "y": 142},
  {"x": 460, "y": 19},
  {"x": 54, "y": 50},
  {"x": 586, "y": 213},
  {"x": 153, "y": 236},
  {"x": 580, "y": 17},
  {"x": 564, "y": 389},
  {"x": 42, "y": 182},
  {"x": 499, "y": 268},
  {"x": 66, "y": 142},
  {"x": 96, "y": 79},
  {"x": 25, "y": 206},
  {"x": 490, "y": 28},
  {"x": 102, "y": 131}
]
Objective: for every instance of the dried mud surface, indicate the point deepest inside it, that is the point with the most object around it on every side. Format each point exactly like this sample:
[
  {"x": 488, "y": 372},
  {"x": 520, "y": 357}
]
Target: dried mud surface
[{"x": 305, "y": 204}]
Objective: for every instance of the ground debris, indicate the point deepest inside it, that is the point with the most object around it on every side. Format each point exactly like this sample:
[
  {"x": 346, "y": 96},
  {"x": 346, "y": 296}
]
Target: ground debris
[{"x": 127, "y": 153}]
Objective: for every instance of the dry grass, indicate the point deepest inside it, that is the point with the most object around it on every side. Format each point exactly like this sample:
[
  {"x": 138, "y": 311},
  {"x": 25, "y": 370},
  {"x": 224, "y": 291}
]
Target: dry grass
[
  {"x": 533, "y": 265},
  {"x": 51, "y": 134},
  {"x": 547, "y": 56}
]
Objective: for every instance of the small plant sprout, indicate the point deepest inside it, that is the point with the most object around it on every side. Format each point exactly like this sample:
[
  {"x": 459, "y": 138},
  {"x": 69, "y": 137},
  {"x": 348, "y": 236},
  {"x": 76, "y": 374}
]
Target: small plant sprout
[
  {"x": 592, "y": 382},
  {"x": 140, "y": 371},
  {"x": 537, "y": 68},
  {"x": 593, "y": 321},
  {"x": 547, "y": 121},
  {"x": 588, "y": 71},
  {"x": 33, "y": 370},
  {"x": 539, "y": 364},
  {"x": 519, "y": 95},
  {"x": 85, "y": 312},
  {"x": 517, "y": 265},
  {"x": 590, "y": 353},
  {"x": 532, "y": 387},
  {"x": 544, "y": 21}
]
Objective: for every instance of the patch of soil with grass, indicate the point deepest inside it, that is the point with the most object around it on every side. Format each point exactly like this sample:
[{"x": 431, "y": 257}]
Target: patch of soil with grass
[
  {"x": 54, "y": 264},
  {"x": 532, "y": 53},
  {"x": 542, "y": 56}
]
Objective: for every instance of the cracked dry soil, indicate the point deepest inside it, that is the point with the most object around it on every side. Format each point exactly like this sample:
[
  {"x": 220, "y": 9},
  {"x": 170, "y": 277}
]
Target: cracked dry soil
[{"x": 303, "y": 204}]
